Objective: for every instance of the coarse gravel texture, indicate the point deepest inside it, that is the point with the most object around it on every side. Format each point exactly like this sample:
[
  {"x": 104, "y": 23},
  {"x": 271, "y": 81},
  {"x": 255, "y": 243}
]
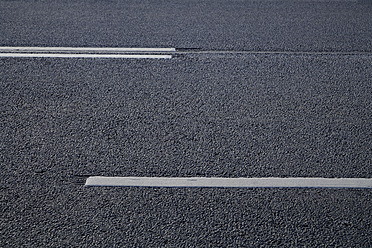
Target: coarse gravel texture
[
  {"x": 289, "y": 114},
  {"x": 43, "y": 210},
  {"x": 238, "y": 116},
  {"x": 304, "y": 25},
  {"x": 197, "y": 115}
]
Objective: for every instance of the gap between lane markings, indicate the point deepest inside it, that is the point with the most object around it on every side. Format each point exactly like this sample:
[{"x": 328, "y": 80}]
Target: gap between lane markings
[
  {"x": 86, "y": 52},
  {"x": 203, "y": 182}
]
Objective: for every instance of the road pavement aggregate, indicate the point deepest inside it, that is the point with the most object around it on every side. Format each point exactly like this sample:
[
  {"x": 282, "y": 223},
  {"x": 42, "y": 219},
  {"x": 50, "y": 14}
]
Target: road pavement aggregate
[{"x": 224, "y": 108}]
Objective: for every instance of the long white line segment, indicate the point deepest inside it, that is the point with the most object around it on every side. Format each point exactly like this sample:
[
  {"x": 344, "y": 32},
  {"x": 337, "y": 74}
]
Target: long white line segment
[
  {"x": 87, "y": 52},
  {"x": 268, "y": 182},
  {"x": 83, "y": 49},
  {"x": 81, "y": 55}
]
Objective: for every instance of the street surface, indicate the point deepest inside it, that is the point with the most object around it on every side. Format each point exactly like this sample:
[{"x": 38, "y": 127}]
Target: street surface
[{"x": 254, "y": 89}]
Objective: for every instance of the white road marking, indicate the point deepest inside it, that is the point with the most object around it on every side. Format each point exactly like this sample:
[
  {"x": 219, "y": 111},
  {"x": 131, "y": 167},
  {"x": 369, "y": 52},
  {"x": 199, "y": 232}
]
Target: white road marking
[
  {"x": 82, "y": 49},
  {"x": 77, "y": 55},
  {"x": 268, "y": 182},
  {"x": 114, "y": 50}
]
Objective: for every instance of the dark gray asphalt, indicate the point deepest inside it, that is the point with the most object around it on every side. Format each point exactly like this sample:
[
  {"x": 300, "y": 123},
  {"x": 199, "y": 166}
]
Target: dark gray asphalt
[
  {"x": 290, "y": 25},
  {"x": 36, "y": 213},
  {"x": 231, "y": 115},
  {"x": 237, "y": 116}
]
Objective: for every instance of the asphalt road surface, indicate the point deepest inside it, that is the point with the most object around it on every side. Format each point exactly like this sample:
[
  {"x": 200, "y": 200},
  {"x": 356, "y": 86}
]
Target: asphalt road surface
[{"x": 255, "y": 89}]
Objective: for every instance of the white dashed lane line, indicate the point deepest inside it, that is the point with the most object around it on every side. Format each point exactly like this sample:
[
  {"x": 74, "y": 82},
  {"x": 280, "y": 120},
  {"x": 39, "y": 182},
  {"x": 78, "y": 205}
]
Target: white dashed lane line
[
  {"x": 135, "y": 52},
  {"x": 202, "y": 182},
  {"x": 87, "y": 52},
  {"x": 85, "y": 49},
  {"x": 77, "y": 55}
]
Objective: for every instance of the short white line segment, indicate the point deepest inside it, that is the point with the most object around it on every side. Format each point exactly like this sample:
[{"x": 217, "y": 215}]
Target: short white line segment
[
  {"x": 268, "y": 182},
  {"x": 77, "y": 55}
]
